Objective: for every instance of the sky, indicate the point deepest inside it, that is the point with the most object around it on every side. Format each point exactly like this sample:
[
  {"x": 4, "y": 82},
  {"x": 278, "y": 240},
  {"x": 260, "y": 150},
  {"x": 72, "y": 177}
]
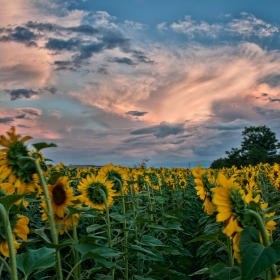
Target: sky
[{"x": 111, "y": 81}]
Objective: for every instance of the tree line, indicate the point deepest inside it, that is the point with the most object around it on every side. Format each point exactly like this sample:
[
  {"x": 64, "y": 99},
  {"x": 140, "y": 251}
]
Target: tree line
[{"x": 259, "y": 144}]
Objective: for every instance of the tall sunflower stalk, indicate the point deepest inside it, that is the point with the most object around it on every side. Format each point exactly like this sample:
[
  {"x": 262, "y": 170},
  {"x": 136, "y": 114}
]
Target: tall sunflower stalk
[
  {"x": 49, "y": 214},
  {"x": 9, "y": 232}
]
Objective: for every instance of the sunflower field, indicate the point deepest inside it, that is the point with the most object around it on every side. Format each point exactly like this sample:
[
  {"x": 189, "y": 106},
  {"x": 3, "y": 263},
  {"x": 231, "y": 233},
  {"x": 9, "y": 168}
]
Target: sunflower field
[{"x": 113, "y": 222}]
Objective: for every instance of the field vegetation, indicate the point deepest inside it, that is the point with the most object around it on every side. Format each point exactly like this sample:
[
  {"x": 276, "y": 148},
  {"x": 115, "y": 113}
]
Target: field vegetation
[{"x": 114, "y": 222}]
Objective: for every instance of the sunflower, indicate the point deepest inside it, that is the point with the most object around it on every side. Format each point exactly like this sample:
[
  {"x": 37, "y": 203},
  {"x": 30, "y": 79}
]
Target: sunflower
[
  {"x": 92, "y": 189},
  {"x": 115, "y": 174},
  {"x": 65, "y": 223},
  {"x": 204, "y": 182},
  {"x": 230, "y": 201},
  {"x": 4, "y": 247},
  {"x": 153, "y": 179},
  {"x": 9, "y": 158},
  {"x": 21, "y": 229},
  {"x": 61, "y": 196}
]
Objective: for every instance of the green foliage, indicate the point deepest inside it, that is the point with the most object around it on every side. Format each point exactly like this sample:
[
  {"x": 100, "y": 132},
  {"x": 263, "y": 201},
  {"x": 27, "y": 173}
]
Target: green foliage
[
  {"x": 33, "y": 260},
  {"x": 259, "y": 144}
]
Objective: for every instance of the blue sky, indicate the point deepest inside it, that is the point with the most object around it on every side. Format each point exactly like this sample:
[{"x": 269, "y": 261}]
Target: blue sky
[{"x": 119, "y": 81}]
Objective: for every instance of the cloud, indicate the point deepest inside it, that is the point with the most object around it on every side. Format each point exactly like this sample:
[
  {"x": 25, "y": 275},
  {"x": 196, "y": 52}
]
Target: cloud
[
  {"x": 59, "y": 45},
  {"x": 6, "y": 120},
  {"x": 247, "y": 25},
  {"x": 234, "y": 125},
  {"x": 55, "y": 114},
  {"x": 268, "y": 113},
  {"x": 19, "y": 93},
  {"x": 122, "y": 60},
  {"x": 22, "y": 116},
  {"x": 23, "y": 126},
  {"x": 136, "y": 113},
  {"x": 190, "y": 27},
  {"x": 51, "y": 89},
  {"x": 162, "y": 130},
  {"x": 28, "y": 112},
  {"x": 19, "y": 34},
  {"x": 134, "y": 26},
  {"x": 162, "y": 26}
]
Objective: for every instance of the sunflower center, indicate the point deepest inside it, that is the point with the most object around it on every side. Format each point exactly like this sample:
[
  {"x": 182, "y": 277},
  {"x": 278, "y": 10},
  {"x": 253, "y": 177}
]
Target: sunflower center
[
  {"x": 59, "y": 194},
  {"x": 94, "y": 192}
]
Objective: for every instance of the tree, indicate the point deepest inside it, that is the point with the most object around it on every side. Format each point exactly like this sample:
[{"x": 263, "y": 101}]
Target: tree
[
  {"x": 219, "y": 163},
  {"x": 259, "y": 145}
]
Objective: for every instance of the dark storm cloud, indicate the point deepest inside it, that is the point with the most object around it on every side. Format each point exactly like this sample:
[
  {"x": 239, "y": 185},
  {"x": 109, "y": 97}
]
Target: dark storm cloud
[
  {"x": 6, "y": 120},
  {"x": 19, "y": 93},
  {"x": 59, "y": 44},
  {"x": 22, "y": 116},
  {"x": 103, "y": 71},
  {"x": 87, "y": 51},
  {"x": 66, "y": 65},
  {"x": 269, "y": 113},
  {"x": 122, "y": 60},
  {"x": 42, "y": 26},
  {"x": 19, "y": 34},
  {"x": 160, "y": 131},
  {"x": 85, "y": 29},
  {"x": 141, "y": 57},
  {"x": 165, "y": 129},
  {"x": 51, "y": 89},
  {"x": 22, "y": 125},
  {"x": 274, "y": 99},
  {"x": 145, "y": 130},
  {"x": 136, "y": 113},
  {"x": 49, "y": 27}
]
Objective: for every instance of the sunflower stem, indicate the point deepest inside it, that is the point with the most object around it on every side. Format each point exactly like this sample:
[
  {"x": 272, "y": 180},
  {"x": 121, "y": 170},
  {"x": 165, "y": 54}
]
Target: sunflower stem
[
  {"x": 108, "y": 222},
  {"x": 76, "y": 254},
  {"x": 125, "y": 229},
  {"x": 265, "y": 238},
  {"x": 9, "y": 232},
  {"x": 230, "y": 254},
  {"x": 150, "y": 201},
  {"x": 50, "y": 215},
  {"x": 4, "y": 263}
]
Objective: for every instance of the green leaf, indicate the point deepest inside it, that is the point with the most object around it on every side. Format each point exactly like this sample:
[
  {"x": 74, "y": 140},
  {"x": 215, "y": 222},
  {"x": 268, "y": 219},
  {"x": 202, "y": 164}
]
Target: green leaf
[
  {"x": 217, "y": 268},
  {"x": 93, "y": 228},
  {"x": 141, "y": 250},
  {"x": 54, "y": 176},
  {"x": 173, "y": 225},
  {"x": 256, "y": 258},
  {"x": 9, "y": 200},
  {"x": 73, "y": 210},
  {"x": 222, "y": 272},
  {"x": 118, "y": 217},
  {"x": 91, "y": 251},
  {"x": 137, "y": 277},
  {"x": 248, "y": 236},
  {"x": 43, "y": 145},
  {"x": 32, "y": 260},
  {"x": 158, "y": 256},
  {"x": 107, "y": 264},
  {"x": 212, "y": 236},
  {"x": 201, "y": 271},
  {"x": 150, "y": 241},
  {"x": 276, "y": 247}
]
